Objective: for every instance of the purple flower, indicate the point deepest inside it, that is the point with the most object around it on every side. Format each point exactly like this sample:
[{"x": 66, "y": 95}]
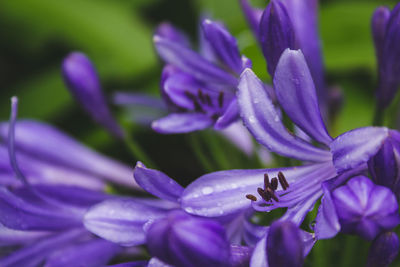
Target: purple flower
[
  {"x": 296, "y": 188},
  {"x": 384, "y": 166},
  {"x": 38, "y": 223},
  {"x": 82, "y": 80},
  {"x": 364, "y": 208},
  {"x": 49, "y": 156},
  {"x": 290, "y": 24},
  {"x": 199, "y": 88},
  {"x": 383, "y": 250},
  {"x": 386, "y": 34},
  {"x": 183, "y": 240},
  {"x": 284, "y": 245}
]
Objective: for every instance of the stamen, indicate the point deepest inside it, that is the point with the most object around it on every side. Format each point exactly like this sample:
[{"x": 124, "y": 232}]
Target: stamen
[
  {"x": 11, "y": 141},
  {"x": 221, "y": 99},
  {"x": 263, "y": 194},
  {"x": 274, "y": 183},
  {"x": 201, "y": 96},
  {"x": 266, "y": 181},
  {"x": 208, "y": 100},
  {"x": 271, "y": 194},
  {"x": 196, "y": 104},
  {"x": 251, "y": 197},
  {"x": 282, "y": 180}
]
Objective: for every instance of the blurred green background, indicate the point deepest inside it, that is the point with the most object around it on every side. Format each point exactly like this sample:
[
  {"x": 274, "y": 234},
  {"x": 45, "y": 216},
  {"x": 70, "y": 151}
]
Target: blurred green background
[{"x": 117, "y": 36}]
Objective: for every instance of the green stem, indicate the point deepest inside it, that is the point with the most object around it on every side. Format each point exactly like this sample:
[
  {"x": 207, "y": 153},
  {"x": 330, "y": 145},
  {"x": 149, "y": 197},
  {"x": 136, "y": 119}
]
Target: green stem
[
  {"x": 138, "y": 153},
  {"x": 378, "y": 116},
  {"x": 198, "y": 151},
  {"x": 214, "y": 146}
]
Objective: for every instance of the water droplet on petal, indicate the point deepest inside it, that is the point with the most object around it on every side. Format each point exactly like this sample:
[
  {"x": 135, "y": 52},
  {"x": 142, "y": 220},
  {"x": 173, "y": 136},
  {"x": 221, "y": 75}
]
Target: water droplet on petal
[{"x": 207, "y": 190}]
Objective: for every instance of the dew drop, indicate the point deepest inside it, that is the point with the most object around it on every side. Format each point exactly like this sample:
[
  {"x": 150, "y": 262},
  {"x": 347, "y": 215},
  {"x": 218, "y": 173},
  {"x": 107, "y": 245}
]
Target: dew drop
[
  {"x": 252, "y": 119},
  {"x": 207, "y": 190}
]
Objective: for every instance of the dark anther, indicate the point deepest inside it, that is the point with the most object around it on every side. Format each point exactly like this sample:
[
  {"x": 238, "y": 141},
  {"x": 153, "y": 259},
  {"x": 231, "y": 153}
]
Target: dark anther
[
  {"x": 271, "y": 194},
  {"x": 266, "y": 181},
  {"x": 201, "y": 96},
  {"x": 251, "y": 197},
  {"x": 274, "y": 183},
  {"x": 208, "y": 100},
  {"x": 215, "y": 116},
  {"x": 197, "y": 106},
  {"x": 221, "y": 99},
  {"x": 282, "y": 180},
  {"x": 264, "y": 194},
  {"x": 189, "y": 95}
]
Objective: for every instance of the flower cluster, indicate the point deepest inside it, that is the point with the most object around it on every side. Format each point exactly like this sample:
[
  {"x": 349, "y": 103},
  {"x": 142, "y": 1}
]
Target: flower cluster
[{"x": 54, "y": 209}]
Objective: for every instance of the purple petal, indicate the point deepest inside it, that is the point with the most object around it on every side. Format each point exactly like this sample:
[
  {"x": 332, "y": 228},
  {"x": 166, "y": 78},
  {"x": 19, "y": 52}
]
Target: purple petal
[
  {"x": 276, "y": 33},
  {"x": 154, "y": 262},
  {"x": 191, "y": 62},
  {"x": 304, "y": 17},
  {"x": 46, "y": 143},
  {"x": 356, "y": 147},
  {"x": 157, "y": 183},
  {"x": 230, "y": 116},
  {"x": 83, "y": 82},
  {"x": 121, "y": 220},
  {"x": 10, "y": 237},
  {"x": 131, "y": 264},
  {"x": 378, "y": 24},
  {"x": 168, "y": 31},
  {"x": 35, "y": 253},
  {"x": 295, "y": 90},
  {"x": 223, "y": 193},
  {"x": 142, "y": 99},
  {"x": 327, "y": 222},
  {"x": 263, "y": 121},
  {"x": 284, "y": 245},
  {"x": 41, "y": 172},
  {"x": 89, "y": 254},
  {"x": 252, "y": 15},
  {"x": 259, "y": 257},
  {"x": 182, "y": 123},
  {"x": 224, "y": 44},
  {"x": 29, "y": 212}
]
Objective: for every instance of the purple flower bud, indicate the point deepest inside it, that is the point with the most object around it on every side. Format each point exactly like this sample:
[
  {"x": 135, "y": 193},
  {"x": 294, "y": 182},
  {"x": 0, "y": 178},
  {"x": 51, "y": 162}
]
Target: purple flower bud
[
  {"x": 386, "y": 32},
  {"x": 183, "y": 240},
  {"x": 276, "y": 33},
  {"x": 252, "y": 15},
  {"x": 383, "y": 250},
  {"x": 385, "y": 165},
  {"x": 284, "y": 245},
  {"x": 378, "y": 24},
  {"x": 82, "y": 80},
  {"x": 166, "y": 30},
  {"x": 364, "y": 208}
]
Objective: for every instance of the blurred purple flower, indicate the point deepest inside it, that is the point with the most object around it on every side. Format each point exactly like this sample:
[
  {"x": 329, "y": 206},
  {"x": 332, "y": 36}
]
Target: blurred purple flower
[
  {"x": 83, "y": 82},
  {"x": 283, "y": 243},
  {"x": 383, "y": 250},
  {"x": 199, "y": 88},
  {"x": 49, "y": 156},
  {"x": 183, "y": 240},
  {"x": 43, "y": 223},
  {"x": 385, "y": 165},
  {"x": 386, "y": 34}
]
